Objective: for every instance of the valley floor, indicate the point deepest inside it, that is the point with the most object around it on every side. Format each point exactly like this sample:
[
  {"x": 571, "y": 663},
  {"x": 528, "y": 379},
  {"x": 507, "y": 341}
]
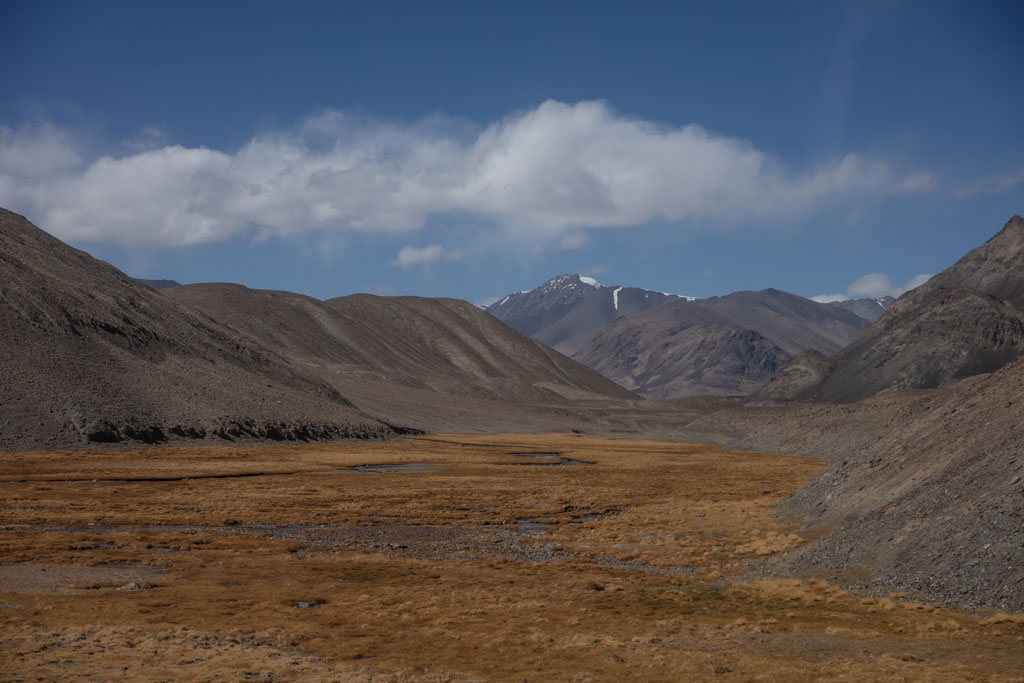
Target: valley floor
[{"x": 536, "y": 557}]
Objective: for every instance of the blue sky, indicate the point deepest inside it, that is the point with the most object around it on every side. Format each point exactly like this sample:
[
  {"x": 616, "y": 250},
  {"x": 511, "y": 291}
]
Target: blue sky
[{"x": 473, "y": 149}]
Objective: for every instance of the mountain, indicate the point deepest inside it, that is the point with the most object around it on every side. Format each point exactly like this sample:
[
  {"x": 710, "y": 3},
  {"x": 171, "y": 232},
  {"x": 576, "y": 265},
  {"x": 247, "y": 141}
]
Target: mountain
[
  {"x": 726, "y": 345},
  {"x": 869, "y": 309},
  {"x": 440, "y": 345},
  {"x": 94, "y": 356},
  {"x": 967, "y": 320},
  {"x": 91, "y": 355},
  {"x": 158, "y": 284},
  {"x": 568, "y": 311}
]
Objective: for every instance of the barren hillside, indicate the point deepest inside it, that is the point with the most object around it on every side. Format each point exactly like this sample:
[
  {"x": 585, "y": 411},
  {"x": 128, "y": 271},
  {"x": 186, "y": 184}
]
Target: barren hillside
[
  {"x": 967, "y": 320},
  {"x": 91, "y": 355},
  {"x": 727, "y": 345}
]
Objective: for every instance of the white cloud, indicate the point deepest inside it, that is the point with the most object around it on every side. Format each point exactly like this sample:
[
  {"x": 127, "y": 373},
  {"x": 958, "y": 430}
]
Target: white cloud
[
  {"x": 423, "y": 256},
  {"x": 574, "y": 240},
  {"x": 992, "y": 185},
  {"x": 35, "y": 153},
  {"x": 923, "y": 181},
  {"x": 149, "y": 138},
  {"x": 873, "y": 286},
  {"x": 487, "y": 301},
  {"x": 540, "y": 175}
]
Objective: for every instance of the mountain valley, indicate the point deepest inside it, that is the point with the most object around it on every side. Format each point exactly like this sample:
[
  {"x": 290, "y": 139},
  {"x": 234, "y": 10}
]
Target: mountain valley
[{"x": 435, "y": 448}]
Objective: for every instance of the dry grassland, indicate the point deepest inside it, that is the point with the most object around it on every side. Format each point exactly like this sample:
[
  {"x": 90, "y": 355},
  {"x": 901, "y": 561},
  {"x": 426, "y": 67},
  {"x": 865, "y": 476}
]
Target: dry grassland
[{"x": 286, "y": 562}]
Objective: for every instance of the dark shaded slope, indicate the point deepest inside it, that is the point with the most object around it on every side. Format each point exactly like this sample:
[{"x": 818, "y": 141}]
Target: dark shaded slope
[
  {"x": 943, "y": 334},
  {"x": 805, "y": 369},
  {"x": 678, "y": 354},
  {"x": 790, "y": 321},
  {"x": 968, "y": 319},
  {"x": 89, "y": 354},
  {"x": 725, "y": 345}
]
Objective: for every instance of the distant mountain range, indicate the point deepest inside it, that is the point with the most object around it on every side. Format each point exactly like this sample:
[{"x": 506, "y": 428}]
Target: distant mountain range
[
  {"x": 409, "y": 360},
  {"x": 568, "y": 311},
  {"x": 869, "y": 309},
  {"x": 91, "y": 355},
  {"x": 721, "y": 346},
  {"x": 666, "y": 346}
]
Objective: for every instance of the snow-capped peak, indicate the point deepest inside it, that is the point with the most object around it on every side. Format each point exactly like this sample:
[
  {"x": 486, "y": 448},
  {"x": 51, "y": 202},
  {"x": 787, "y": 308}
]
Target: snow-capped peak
[
  {"x": 680, "y": 296},
  {"x": 570, "y": 282}
]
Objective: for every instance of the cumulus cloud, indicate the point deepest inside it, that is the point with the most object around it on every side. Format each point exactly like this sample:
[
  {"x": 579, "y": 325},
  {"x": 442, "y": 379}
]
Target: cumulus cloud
[
  {"x": 992, "y": 185},
  {"x": 543, "y": 175},
  {"x": 873, "y": 286},
  {"x": 35, "y": 153},
  {"x": 424, "y": 256}
]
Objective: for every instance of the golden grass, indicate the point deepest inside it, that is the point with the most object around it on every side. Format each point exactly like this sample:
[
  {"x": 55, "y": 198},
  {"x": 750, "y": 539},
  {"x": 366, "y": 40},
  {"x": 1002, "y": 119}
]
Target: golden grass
[{"x": 633, "y": 579}]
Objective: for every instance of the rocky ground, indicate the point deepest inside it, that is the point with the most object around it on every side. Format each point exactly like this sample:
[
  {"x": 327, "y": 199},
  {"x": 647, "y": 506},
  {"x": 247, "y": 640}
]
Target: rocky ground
[{"x": 925, "y": 488}]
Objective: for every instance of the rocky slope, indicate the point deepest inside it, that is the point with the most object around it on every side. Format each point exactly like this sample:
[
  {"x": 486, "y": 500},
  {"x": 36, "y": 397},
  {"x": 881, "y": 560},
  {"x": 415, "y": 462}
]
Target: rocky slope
[
  {"x": 925, "y": 487},
  {"x": 159, "y": 284},
  {"x": 721, "y": 346},
  {"x": 440, "y": 345},
  {"x": 869, "y": 309},
  {"x": 968, "y": 319},
  {"x": 90, "y": 355},
  {"x": 568, "y": 311}
]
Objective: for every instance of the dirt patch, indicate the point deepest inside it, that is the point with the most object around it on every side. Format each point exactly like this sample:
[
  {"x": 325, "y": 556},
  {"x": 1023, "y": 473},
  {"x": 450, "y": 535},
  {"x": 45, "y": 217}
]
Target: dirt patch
[{"x": 66, "y": 578}]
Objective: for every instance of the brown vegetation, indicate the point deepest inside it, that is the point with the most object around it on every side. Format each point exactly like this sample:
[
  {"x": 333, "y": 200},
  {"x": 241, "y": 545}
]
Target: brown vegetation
[{"x": 468, "y": 563}]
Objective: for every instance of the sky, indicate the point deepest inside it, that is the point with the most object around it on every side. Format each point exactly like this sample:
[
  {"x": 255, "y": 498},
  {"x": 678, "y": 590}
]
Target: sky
[{"x": 469, "y": 150}]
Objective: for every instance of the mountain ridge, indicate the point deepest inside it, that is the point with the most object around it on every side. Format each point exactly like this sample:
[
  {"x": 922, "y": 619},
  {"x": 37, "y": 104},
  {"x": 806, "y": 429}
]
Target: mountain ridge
[
  {"x": 722, "y": 346},
  {"x": 92, "y": 356},
  {"x": 569, "y": 310},
  {"x": 966, "y": 320}
]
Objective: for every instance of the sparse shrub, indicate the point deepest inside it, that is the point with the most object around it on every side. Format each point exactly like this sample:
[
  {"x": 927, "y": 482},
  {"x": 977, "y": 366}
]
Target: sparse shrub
[{"x": 1004, "y": 618}]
